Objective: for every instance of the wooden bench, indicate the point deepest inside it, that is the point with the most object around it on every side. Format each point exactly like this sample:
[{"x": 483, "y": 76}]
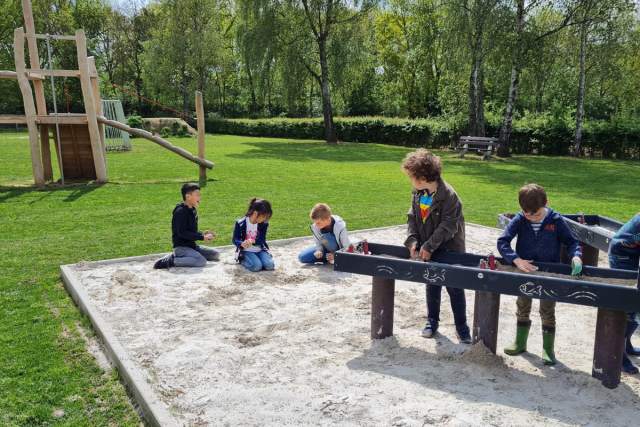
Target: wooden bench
[{"x": 482, "y": 145}]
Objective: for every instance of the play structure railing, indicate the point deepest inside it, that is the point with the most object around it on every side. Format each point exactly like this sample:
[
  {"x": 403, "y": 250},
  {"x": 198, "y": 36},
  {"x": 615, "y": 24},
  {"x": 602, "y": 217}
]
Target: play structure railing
[{"x": 387, "y": 263}]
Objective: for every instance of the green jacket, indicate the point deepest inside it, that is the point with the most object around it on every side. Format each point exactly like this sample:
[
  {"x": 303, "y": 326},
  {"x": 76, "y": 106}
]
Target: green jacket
[{"x": 444, "y": 227}]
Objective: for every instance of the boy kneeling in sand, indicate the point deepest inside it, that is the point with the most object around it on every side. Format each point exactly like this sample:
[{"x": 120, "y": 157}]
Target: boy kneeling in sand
[
  {"x": 184, "y": 228},
  {"x": 330, "y": 235}
]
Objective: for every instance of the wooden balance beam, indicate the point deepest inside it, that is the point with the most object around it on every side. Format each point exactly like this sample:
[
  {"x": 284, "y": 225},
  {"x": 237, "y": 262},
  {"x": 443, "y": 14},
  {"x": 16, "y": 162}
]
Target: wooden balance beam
[{"x": 460, "y": 270}]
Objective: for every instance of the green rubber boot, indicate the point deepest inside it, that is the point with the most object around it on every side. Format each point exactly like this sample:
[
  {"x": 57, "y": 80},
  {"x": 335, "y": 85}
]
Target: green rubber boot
[
  {"x": 522, "y": 334},
  {"x": 548, "y": 339}
]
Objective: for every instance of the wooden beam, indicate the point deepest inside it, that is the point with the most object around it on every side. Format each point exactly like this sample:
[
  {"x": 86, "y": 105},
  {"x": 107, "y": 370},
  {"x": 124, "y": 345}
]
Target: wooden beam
[
  {"x": 56, "y": 73},
  {"x": 38, "y": 87},
  {"x": 166, "y": 144},
  {"x": 95, "y": 91},
  {"x": 63, "y": 119},
  {"x": 29, "y": 107},
  {"x": 200, "y": 114},
  {"x": 7, "y": 119},
  {"x": 44, "y": 36},
  {"x": 13, "y": 76},
  {"x": 94, "y": 133}
]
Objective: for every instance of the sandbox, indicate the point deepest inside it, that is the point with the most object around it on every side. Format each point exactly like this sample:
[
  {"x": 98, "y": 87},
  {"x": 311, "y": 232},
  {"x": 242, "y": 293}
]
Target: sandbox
[{"x": 220, "y": 346}]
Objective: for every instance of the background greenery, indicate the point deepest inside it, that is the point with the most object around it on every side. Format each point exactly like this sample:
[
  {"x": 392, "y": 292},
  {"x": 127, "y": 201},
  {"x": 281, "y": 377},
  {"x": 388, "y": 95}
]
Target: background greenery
[
  {"x": 392, "y": 58},
  {"x": 43, "y": 362}
]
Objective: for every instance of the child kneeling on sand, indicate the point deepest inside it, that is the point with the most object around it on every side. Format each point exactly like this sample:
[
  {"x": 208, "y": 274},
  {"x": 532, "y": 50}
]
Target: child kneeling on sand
[
  {"x": 435, "y": 222},
  {"x": 541, "y": 232},
  {"x": 184, "y": 233},
  {"x": 250, "y": 236},
  {"x": 329, "y": 233}
]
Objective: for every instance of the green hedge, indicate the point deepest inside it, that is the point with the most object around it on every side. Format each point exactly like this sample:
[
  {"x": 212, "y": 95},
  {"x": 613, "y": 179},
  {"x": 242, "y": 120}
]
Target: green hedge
[{"x": 542, "y": 134}]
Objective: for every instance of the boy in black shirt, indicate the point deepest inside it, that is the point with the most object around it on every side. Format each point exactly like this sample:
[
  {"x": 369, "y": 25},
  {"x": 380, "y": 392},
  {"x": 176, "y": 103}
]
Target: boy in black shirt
[{"x": 184, "y": 228}]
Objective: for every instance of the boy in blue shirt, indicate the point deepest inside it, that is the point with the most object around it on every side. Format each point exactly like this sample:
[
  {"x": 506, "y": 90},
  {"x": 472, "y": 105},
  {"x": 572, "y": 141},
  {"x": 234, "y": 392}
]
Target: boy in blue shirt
[
  {"x": 541, "y": 232},
  {"x": 624, "y": 254},
  {"x": 184, "y": 228},
  {"x": 329, "y": 234}
]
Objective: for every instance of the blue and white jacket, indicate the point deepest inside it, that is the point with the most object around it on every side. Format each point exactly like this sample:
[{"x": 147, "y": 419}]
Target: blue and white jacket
[
  {"x": 240, "y": 232},
  {"x": 543, "y": 247}
]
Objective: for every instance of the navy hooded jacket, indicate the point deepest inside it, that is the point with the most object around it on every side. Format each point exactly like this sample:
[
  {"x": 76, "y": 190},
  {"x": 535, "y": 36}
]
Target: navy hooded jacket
[
  {"x": 184, "y": 226},
  {"x": 543, "y": 247},
  {"x": 240, "y": 232}
]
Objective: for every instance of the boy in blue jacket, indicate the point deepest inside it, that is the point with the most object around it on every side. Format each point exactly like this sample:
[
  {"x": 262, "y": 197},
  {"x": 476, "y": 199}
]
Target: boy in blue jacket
[
  {"x": 541, "y": 232},
  {"x": 185, "y": 234},
  {"x": 624, "y": 254}
]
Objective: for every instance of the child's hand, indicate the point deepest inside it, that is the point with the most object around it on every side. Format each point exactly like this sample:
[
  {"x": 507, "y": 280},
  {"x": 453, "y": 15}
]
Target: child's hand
[
  {"x": 426, "y": 256},
  {"x": 246, "y": 244},
  {"x": 412, "y": 251},
  {"x": 576, "y": 266},
  {"x": 318, "y": 254},
  {"x": 214, "y": 235},
  {"x": 208, "y": 238},
  {"x": 525, "y": 266},
  {"x": 330, "y": 257}
]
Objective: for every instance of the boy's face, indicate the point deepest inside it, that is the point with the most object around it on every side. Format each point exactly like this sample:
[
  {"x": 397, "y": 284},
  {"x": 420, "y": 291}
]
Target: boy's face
[
  {"x": 537, "y": 215},
  {"x": 419, "y": 183},
  {"x": 193, "y": 198},
  {"x": 322, "y": 223}
]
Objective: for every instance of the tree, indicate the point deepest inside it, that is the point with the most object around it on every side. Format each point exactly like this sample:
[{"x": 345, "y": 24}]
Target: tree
[{"x": 304, "y": 31}]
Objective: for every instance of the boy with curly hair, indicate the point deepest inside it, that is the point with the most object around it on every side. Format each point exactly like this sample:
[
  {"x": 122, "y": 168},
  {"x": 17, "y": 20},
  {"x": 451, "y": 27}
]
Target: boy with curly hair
[{"x": 435, "y": 222}]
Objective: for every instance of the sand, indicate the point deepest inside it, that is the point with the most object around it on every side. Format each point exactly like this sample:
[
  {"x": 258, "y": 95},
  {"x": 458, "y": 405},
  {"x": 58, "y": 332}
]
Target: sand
[{"x": 226, "y": 347}]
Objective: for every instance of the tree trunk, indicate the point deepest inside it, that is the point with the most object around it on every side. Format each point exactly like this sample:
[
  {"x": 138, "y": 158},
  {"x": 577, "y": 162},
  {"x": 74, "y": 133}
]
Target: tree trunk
[
  {"x": 185, "y": 92},
  {"x": 505, "y": 131},
  {"x": 253, "y": 91},
  {"x": 480, "y": 130},
  {"x": 583, "y": 54},
  {"x": 472, "y": 96},
  {"x": 311, "y": 98},
  {"x": 329, "y": 126}
]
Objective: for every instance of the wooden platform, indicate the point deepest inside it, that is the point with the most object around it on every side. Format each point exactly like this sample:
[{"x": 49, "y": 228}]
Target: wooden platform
[{"x": 77, "y": 157}]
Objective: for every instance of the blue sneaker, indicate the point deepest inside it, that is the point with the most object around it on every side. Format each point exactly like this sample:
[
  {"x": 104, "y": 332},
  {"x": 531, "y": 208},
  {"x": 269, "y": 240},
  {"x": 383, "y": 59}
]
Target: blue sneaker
[
  {"x": 462, "y": 332},
  {"x": 430, "y": 328}
]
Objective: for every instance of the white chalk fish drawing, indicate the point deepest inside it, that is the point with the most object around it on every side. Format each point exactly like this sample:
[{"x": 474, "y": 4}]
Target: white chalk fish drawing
[
  {"x": 575, "y": 293},
  {"x": 387, "y": 267},
  {"x": 433, "y": 274},
  {"x": 529, "y": 289}
]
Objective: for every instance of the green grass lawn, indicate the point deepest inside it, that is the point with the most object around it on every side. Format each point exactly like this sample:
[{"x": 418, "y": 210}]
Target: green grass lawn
[{"x": 43, "y": 363}]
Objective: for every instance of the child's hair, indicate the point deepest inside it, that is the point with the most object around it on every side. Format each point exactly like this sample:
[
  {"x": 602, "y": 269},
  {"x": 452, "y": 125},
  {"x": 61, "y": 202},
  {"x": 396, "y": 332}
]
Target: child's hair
[
  {"x": 189, "y": 188},
  {"x": 422, "y": 164},
  {"x": 532, "y": 197},
  {"x": 261, "y": 206},
  {"x": 320, "y": 211}
]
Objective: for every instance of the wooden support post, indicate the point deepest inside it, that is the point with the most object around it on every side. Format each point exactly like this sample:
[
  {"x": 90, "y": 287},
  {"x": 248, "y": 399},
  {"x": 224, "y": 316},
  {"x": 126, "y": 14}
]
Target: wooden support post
[
  {"x": 95, "y": 92},
  {"x": 382, "y": 302},
  {"x": 38, "y": 88},
  {"x": 609, "y": 346},
  {"x": 486, "y": 315},
  {"x": 200, "y": 114},
  {"x": 94, "y": 134},
  {"x": 29, "y": 107}
]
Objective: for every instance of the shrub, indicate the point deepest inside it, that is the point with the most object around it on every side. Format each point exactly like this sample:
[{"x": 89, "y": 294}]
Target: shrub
[
  {"x": 543, "y": 134},
  {"x": 165, "y": 132},
  {"x": 134, "y": 122}
]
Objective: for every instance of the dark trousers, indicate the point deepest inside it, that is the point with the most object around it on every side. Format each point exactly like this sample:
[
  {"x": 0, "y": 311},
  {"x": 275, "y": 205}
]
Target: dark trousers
[{"x": 458, "y": 303}]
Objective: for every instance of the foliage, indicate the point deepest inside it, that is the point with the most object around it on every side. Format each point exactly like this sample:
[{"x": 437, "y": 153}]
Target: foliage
[{"x": 542, "y": 134}]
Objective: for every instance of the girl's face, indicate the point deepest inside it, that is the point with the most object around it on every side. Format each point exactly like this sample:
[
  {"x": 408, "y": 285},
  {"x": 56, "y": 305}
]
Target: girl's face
[{"x": 257, "y": 218}]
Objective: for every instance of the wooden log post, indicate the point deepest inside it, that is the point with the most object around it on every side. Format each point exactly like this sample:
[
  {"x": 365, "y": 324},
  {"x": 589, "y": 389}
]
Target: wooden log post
[
  {"x": 486, "y": 315},
  {"x": 166, "y": 144},
  {"x": 95, "y": 92},
  {"x": 92, "y": 122},
  {"x": 382, "y": 302},
  {"x": 38, "y": 88},
  {"x": 609, "y": 347},
  {"x": 29, "y": 107},
  {"x": 200, "y": 115}
]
